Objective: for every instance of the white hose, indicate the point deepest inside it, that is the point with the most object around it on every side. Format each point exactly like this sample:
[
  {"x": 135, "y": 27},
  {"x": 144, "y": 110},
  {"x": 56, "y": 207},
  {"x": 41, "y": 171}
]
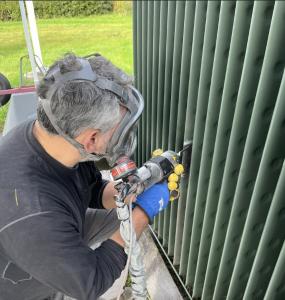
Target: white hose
[{"x": 132, "y": 248}]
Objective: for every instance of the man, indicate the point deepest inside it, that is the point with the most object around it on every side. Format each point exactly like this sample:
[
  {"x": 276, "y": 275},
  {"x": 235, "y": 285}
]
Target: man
[{"x": 54, "y": 202}]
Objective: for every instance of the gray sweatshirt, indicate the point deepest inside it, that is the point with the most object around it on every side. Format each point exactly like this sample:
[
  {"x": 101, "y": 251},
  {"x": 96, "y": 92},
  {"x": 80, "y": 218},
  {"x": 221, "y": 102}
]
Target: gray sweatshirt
[{"x": 42, "y": 210}]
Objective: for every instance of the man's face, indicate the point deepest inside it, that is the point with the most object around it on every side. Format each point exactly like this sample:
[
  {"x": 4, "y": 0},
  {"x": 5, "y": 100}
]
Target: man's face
[{"x": 95, "y": 141}]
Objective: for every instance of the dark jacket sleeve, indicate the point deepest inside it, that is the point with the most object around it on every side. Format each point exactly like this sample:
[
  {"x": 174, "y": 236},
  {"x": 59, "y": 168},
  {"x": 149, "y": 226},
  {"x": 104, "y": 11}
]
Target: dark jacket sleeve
[
  {"x": 49, "y": 247},
  {"x": 96, "y": 189}
]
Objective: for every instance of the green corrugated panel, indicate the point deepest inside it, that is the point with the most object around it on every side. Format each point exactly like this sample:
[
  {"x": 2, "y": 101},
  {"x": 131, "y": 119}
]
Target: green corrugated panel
[
  {"x": 144, "y": 78},
  {"x": 245, "y": 99},
  {"x": 194, "y": 83},
  {"x": 185, "y": 72},
  {"x": 137, "y": 25},
  {"x": 177, "y": 55},
  {"x": 149, "y": 80},
  {"x": 180, "y": 127},
  {"x": 272, "y": 237},
  {"x": 135, "y": 40},
  {"x": 202, "y": 104},
  {"x": 273, "y": 155},
  {"x": 135, "y": 54},
  {"x": 194, "y": 75},
  {"x": 154, "y": 108},
  {"x": 232, "y": 79},
  {"x": 212, "y": 74},
  {"x": 265, "y": 99},
  {"x": 155, "y": 74},
  {"x": 167, "y": 97},
  {"x": 215, "y": 97},
  {"x": 276, "y": 286},
  {"x": 161, "y": 84}
]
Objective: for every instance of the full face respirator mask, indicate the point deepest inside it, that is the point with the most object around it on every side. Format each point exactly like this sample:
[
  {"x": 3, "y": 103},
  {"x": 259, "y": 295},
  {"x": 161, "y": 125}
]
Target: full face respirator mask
[{"x": 123, "y": 140}]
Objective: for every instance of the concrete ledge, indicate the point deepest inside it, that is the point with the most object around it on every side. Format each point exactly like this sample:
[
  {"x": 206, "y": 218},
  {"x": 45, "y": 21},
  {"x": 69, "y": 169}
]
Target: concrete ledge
[{"x": 160, "y": 284}]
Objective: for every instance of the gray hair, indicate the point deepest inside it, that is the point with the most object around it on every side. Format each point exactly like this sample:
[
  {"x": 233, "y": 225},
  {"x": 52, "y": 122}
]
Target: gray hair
[{"x": 78, "y": 105}]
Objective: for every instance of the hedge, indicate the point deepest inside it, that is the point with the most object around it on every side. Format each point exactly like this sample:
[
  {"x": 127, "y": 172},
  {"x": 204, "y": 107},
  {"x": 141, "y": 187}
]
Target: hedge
[{"x": 10, "y": 11}]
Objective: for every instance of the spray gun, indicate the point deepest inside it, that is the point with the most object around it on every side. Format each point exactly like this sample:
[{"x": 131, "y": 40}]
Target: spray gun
[
  {"x": 162, "y": 166},
  {"x": 132, "y": 180}
]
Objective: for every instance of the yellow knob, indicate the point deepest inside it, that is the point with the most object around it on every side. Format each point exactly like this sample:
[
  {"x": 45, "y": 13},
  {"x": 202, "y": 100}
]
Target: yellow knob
[
  {"x": 172, "y": 186},
  {"x": 173, "y": 177},
  {"x": 157, "y": 152},
  {"x": 179, "y": 169}
]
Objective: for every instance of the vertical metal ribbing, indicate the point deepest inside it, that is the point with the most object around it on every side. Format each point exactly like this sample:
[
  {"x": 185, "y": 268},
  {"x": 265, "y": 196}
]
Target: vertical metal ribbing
[
  {"x": 215, "y": 96},
  {"x": 202, "y": 104},
  {"x": 176, "y": 69},
  {"x": 269, "y": 83},
  {"x": 272, "y": 237},
  {"x": 276, "y": 288},
  {"x": 181, "y": 115},
  {"x": 194, "y": 75},
  {"x": 144, "y": 78},
  {"x": 149, "y": 80},
  {"x": 237, "y": 130},
  {"x": 196, "y": 57},
  {"x": 155, "y": 71},
  {"x": 167, "y": 97},
  {"x": 185, "y": 72},
  {"x": 232, "y": 79},
  {"x": 135, "y": 30},
  {"x": 224, "y": 168},
  {"x": 178, "y": 40},
  {"x": 156, "y": 29},
  {"x": 161, "y": 84},
  {"x": 135, "y": 55},
  {"x": 138, "y": 75},
  {"x": 272, "y": 158}
]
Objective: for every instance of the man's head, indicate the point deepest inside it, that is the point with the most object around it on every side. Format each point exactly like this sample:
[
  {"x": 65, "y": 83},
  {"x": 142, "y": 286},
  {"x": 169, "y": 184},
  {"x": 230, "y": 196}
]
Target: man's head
[{"x": 90, "y": 111}]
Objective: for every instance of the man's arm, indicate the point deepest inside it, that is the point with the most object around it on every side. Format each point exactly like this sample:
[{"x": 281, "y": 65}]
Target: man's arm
[
  {"x": 108, "y": 196},
  {"x": 140, "y": 221}
]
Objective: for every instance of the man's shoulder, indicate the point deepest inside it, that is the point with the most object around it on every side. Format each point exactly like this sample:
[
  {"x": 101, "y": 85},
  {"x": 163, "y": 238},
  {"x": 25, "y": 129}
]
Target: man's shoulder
[
  {"x": 27, "y": 201},
  {"x": 15, "y": 135},
  {"x": 17, "y": 203},
  {"x": 19, "y": 162},
  {"x": 14, "y": 150}
]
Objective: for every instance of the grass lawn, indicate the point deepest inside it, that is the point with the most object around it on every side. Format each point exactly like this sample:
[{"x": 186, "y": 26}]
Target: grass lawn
[{"x": 110, "y": 35}]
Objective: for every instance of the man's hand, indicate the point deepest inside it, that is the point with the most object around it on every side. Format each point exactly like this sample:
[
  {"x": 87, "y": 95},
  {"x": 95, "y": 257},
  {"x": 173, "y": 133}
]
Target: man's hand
[
  {"x": 108, "y": 200},
  {"x": 147, "y": 205},
  {"x": 153, "y": 200}
]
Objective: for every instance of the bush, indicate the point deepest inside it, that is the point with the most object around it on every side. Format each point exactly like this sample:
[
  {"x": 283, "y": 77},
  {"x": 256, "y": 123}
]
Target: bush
[
  {"x": 10, "y": 11},
  {"x": 122, "y": 7}
]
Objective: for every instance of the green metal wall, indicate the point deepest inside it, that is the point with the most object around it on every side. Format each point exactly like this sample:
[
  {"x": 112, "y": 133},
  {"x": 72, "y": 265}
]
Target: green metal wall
[{"x": 212, "y": 72}]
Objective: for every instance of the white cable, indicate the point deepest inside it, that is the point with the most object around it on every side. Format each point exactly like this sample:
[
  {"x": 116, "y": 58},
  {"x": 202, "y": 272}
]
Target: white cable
[{"x": 132, "y": 248}]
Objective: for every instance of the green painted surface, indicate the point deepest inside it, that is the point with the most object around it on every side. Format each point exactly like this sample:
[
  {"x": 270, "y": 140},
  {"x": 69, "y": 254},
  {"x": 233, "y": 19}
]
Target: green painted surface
[{"x": 216, "y": 79}]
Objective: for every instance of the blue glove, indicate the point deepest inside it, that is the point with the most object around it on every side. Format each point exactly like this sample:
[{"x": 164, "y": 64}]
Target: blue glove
[{"x": 153, "y": 200}]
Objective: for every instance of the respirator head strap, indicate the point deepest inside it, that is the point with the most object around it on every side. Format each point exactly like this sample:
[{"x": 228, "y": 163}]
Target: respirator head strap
[
  {"x": 86, "y": 73},
  {"x": 106, "y": 84}
]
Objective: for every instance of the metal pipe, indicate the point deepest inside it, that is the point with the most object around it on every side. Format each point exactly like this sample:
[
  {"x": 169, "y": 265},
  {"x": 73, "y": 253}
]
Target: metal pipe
[
  {"x": 34, "y": 32},
  {"x": 28, "y": 41}
]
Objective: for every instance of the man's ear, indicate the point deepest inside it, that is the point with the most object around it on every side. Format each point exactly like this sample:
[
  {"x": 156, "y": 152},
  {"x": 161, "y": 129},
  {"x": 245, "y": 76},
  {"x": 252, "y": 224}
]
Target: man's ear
[{"x": 88, "y": 139}]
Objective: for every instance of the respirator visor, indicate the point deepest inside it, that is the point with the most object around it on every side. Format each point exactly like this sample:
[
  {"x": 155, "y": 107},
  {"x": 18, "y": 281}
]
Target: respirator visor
[{"x": 124, "y": 140}]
